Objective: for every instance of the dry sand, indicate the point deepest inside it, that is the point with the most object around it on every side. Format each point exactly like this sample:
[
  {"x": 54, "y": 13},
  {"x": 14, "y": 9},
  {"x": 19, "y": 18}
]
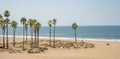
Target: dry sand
[{"x": 100, "y": 51}]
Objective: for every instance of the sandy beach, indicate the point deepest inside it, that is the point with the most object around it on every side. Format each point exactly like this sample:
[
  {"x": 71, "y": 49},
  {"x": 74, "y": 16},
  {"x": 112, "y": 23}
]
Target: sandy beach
[{"x": 100, "y": 51}]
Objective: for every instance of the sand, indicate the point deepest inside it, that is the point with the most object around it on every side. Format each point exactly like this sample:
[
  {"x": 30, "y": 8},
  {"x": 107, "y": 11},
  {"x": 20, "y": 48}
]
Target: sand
[{"x": 100, "y": 51}]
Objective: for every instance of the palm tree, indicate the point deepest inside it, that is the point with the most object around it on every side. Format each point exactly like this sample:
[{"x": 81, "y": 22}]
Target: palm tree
[
  {"x": 14, "y": 26},
  {"x": 26, "y": 28},
  {"x": 37, "y": 26},
  {"x": 54, "y": 23},
  {"x": 50, "y": 24},
  {"x": 74, "y": 26},
  {"x": 35, "y": 31},
  {"x": 23, "y": 21},
  {"x": 31, "y": 23},
  {"x": 7, "y": 14},
  {"x": 2, "y": 23}
]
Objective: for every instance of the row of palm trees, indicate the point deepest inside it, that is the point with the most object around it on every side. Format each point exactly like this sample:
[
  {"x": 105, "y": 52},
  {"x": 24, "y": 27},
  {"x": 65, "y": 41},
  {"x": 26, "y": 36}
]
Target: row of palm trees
[
  {"x": 34, "y": 25},
  {"x": 34, "y": 28}
]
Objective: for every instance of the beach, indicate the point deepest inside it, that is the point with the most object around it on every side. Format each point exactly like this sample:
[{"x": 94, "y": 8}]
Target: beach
[
  {"x": 100, "y": 51},
  {"x": 60, "y": 29}
]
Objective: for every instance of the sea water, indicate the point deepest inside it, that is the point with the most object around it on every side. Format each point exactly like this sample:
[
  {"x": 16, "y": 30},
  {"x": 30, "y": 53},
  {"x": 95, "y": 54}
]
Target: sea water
[{"x": 94, "y": 32}]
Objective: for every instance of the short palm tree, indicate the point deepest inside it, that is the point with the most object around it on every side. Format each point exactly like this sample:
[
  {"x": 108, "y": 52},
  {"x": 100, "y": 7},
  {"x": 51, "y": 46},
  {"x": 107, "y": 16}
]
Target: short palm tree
[
  {"x": 14, "y": 26},
  {"x": 54, "y": 23},
  {"x": 74, "y": 26},
  {"x": 23, "y": 21},
  {"x": 26, "y": 28},
  {"x": 7, "y": 14},
  {"x": 50, "y": 24}
]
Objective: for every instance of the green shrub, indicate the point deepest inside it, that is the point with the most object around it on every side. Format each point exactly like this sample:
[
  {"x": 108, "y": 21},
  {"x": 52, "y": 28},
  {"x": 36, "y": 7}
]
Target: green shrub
[{"x": 24, "y": 49}]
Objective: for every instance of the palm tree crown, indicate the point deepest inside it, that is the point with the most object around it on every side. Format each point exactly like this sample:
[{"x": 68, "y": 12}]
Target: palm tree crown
[
  {"x": 31, "y": 21},
  {"x": 14, "y": 24},
  {"x": 6, "y": 13},
  {"x": 50, "y": 23},
  {"x": 37, "y": 25},
  {"x": 54, "y": 21},
  {"x": 23, "y": 20},
  {"x": 7, "y": 21},
  {"x": 74, "y": 26}
]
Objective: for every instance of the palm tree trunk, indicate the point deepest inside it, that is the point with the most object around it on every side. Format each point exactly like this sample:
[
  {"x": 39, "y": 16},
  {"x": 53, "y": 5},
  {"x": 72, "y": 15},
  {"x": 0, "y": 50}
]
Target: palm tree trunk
[
  {"x": 23, "y": 36},
  {"x": 54, "y": 37},
  {"x": 75, "y": 37},
  {"x": 7, "y": 36},
  {"x": 35, "y": 40},
  {"x": 26, "y": 36},
  {"x": 14, "y": 37},
  {"x": 31, "y": 31},
  {"x": 50, "y": 36},
  {"x": 3, "y": 38},
  {"x": 38, "y": 39}
]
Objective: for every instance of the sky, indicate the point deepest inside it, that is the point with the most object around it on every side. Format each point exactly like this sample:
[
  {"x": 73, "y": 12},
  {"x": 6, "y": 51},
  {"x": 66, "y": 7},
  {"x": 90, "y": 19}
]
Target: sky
[{"x": 83, "y": 12}]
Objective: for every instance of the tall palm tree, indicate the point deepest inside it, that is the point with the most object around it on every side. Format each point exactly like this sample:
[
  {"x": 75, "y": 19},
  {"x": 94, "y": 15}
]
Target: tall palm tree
[
  {"x": 50, "y": 24},
  {"x": 23, "y": 21},
  {"x": 31, "y": 23},
  {"x": 54, "y": 23},
  {"x": 35, "y": 32},
  {"x": 2, "y": 23},
  {"x": 74, "y": 26},
  {"x": 7, "y": 14},
  {"x": 14, "y": 26},
  {"x": 26, "y": 28},
  {"x": 37, "y": 26}
]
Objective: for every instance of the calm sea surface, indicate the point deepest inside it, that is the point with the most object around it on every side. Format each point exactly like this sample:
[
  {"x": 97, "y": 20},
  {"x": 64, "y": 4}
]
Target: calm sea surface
[{"x": 97, "y": 32}]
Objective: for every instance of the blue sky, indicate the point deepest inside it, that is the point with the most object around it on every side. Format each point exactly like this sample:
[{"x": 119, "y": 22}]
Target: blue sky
[{"x": 83, "y": 12}]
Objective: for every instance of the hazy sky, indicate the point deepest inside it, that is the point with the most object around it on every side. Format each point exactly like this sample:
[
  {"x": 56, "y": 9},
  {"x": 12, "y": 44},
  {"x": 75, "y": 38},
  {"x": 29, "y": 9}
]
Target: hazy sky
[{"x": 83, "y": 12}]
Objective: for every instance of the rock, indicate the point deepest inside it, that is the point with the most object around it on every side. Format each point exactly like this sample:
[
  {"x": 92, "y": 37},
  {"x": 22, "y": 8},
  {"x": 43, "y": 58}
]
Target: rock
[{"x": 30, "y": 51}]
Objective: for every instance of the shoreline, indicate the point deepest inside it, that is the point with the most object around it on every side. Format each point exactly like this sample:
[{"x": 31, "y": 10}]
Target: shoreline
[
  {"x": 65, "y": 38},
  {"x": 100, "y": 51}
]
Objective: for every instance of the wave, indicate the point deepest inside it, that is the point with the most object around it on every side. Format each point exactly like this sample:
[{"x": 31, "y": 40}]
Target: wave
[{"x": 67, "y": 38}]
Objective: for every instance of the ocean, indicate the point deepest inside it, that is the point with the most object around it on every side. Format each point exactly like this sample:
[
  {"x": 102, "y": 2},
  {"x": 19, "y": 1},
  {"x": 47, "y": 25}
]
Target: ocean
[{"x": 94, "y": 32}]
